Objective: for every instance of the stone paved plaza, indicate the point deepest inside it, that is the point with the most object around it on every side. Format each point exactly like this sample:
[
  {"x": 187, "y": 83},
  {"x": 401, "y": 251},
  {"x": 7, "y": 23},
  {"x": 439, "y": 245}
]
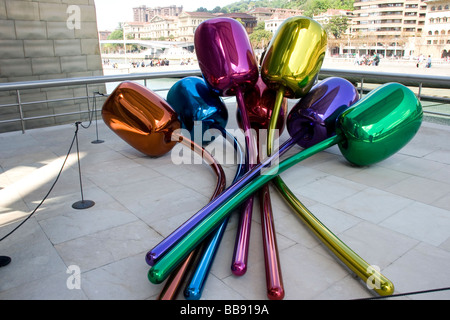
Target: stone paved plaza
[{"x": 394, "y": 214}]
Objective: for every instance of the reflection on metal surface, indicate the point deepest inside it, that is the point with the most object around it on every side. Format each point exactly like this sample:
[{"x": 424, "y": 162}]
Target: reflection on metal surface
[
  {"x": 294, "y": 56},
  {"x": 380, "y": 124},
  {"x": 367, "y": 131},
  {"x": 292, "y": 62},
  {"x": 141, "y": 118},
  {"x": 259, "y": 103},
  {"x": 162, "y": 268}
]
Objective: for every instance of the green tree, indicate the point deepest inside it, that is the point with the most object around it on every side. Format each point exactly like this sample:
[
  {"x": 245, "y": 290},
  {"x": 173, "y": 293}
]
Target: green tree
[
  {"x": 313, "y": 7},
  {"x": 310, "y": 6},
  {"x": 347, "y": 4},
  {"x": 116, "y": 35},
  {"x": 260, "y": 37},
  {"x": 337, "y": 26}
]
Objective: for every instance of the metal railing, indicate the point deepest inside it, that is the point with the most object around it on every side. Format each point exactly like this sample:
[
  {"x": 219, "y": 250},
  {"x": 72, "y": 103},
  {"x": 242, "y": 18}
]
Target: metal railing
[
  {"x": 359, "y": 78},
  {"x": 19, "y": 87},
  {"x": 411, "y": 80}
]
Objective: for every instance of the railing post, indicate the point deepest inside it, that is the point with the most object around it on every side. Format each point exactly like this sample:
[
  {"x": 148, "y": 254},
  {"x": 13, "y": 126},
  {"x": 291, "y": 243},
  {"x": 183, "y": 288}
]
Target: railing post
[
  {"x": 19, "y": 102},
  {"x": 87, "y": 95},
  {"x": 420, "y": 91},
  {"x": 361, "y": 88},
  {"x": 97, "y": 141}
]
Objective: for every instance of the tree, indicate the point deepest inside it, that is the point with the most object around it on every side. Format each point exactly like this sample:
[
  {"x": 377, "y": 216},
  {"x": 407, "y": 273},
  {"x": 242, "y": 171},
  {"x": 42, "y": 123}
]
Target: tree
[
  {"x": 313, "y": 7},
  {"x": 337, "y": 26},
  {"x": 260, "y": 37},
  {"x": 116, "y": 35}
]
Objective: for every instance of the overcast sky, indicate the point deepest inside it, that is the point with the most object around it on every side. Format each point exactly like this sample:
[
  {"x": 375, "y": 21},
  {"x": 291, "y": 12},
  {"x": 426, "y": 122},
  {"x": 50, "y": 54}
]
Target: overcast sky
[{"x": 111, "y": 12}]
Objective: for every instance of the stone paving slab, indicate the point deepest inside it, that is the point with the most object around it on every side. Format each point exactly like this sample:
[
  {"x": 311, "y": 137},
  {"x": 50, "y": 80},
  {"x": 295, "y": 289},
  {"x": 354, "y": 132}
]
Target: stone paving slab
[{"x": 394, "y": 214}]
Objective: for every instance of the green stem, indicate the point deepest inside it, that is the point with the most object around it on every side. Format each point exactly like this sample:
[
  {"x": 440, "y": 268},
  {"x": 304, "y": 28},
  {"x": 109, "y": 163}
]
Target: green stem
[
  {"x": 159, "y": 272},
  {"x": 274, "y": 119}
]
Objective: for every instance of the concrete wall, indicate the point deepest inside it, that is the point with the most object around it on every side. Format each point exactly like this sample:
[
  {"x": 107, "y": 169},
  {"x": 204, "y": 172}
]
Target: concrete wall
[{"x": 47, "y": 39}]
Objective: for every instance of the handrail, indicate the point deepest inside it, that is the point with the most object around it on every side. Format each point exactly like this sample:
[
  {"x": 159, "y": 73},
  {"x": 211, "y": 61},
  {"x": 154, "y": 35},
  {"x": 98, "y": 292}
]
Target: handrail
[
  {"x": 369, "y": 76},
  {"x": 94, "y": 80},
  {"x": 383, "y": 77},
  {"x": 361, "y": 77}
]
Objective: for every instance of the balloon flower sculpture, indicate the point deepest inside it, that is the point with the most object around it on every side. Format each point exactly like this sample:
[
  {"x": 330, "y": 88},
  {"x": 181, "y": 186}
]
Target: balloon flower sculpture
[
  {"x": 195, "y": 104},
  {"x": 328, "y": 113},
  {"x": 259, "y": 104},
  {"x": 229, "y": 67}
]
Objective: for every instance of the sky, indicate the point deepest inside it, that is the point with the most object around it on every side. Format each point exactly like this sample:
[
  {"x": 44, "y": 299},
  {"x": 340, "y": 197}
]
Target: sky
[{"x": 111, "y": 12}]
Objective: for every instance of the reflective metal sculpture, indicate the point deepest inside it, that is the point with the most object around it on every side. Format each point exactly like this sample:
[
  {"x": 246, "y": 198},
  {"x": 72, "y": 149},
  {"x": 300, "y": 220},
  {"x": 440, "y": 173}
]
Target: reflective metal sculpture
[
  {"x": 229, "y": 66},
  {"x": 165, "y": 245},
  {"x": 259, "y": 103},
  {"x": 401, "y": 122},
  {"x": 366, "y": 132},
  {"x": 194, "y": 102},
  {"x": 292, "y": 61},
  {"x": 141, "y": 118},
  {"x": 146, "y": 122}
]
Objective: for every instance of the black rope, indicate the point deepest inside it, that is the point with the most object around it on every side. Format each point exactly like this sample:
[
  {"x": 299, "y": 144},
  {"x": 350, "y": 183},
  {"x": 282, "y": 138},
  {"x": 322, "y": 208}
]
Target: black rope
[
  {"x": 50, "y": 190},
  {"x": 90, "y": 115},
  {"x": 408, "y": 293}
]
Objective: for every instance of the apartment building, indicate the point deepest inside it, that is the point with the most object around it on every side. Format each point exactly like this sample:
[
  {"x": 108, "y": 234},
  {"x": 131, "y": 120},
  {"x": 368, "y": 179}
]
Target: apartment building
[
  {"x": 436, "y": 39},
  {"x": 140, "y": 14},
  {"x": 145, "y": 14},
  {"x": 159, "y": 27},
  {"x": 181, "y": 27},
  {"x": 263, "y": 14},
  {"x": 271, "y": 24},
  {"x": 188, "y": 22},
  {"x": 388, "y": 27},
  {"x": 392, "y": 28},
  {"x": 135, "y": 30}
]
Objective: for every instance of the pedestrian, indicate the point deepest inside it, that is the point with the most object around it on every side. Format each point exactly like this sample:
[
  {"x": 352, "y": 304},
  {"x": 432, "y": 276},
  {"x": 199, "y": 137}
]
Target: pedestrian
[
  {"x": 376, "y": 59},
  {"x": 419, "y": 61},
  {"x": 357, "y": 62},
  {"x": 428, "y": 65}
]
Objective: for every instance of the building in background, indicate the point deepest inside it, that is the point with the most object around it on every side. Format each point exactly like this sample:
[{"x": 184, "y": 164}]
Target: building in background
[
  {"x": 188, "y": 22},
  {"x": 145, "y": 14},
  {"x": 436, "y": 40},
  {"x": 263, "y": 14},
  {"x": 271, "y": 24},
  {"x": 103, "y": 35},
  {"x": 387, "y": 27},
  {"x": 247, "y": 20},
  {"x": 140, "y": 14},
  {"x": 342, "y": 45},
  {"x": 135, "y": 30},
  {"x": 162, "y": 28},
  {"x": 391, "y": 28}
]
